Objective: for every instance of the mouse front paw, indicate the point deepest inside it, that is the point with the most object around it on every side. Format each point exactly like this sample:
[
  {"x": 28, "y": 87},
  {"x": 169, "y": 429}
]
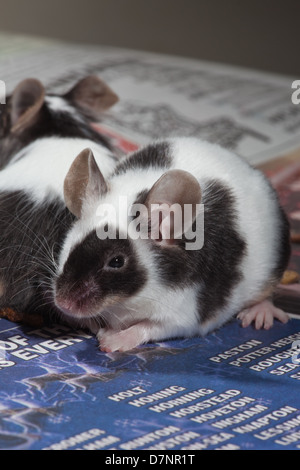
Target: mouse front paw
[{"x": 123, "y": 340}]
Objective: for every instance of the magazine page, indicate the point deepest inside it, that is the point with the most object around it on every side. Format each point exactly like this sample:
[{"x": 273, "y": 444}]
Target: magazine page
[
  {"x": 237, "y": 388},
  {"x": 247, "y": 111}
]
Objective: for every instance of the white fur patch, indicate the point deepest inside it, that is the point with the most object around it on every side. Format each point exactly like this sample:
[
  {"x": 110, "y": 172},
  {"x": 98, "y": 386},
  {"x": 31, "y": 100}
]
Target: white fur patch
[
  {"x": 40, "y": 169},
  {"x": 57, "y": 103}
]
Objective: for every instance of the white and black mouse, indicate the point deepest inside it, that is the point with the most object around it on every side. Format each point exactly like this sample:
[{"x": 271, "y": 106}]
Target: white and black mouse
[{"x": 134, "y": 273}]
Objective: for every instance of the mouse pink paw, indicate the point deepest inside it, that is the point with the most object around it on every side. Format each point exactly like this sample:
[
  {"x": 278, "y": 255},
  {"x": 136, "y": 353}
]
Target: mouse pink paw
[
  {"x": 124, "y": 340},
  {"x": 263, "y": 314}
]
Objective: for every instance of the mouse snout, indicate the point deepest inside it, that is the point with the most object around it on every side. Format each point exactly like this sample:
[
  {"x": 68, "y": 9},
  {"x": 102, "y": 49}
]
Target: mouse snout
[
  {"x": 65, "y": 305},
  {"x": 78, "y": 300}
]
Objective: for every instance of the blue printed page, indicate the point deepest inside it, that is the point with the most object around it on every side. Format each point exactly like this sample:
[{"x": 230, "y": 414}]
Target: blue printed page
[{"x": 237, "y": 388}]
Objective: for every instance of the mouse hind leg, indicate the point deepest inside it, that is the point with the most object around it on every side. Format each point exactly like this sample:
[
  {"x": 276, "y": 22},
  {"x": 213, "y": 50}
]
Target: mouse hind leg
[
  {"x": 263, "y": 311},
  {"x": 262, "y": 314}
]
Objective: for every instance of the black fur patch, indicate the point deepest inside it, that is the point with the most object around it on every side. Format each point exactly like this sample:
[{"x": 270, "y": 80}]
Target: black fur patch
[
  {"x": 284, "y": 248},
  {"x": 87, "y": 269},
  {"x": 215, "y": 267},
  {"x": 30, "y": 241},
  {"x": 49, "y": 123},
  {"x": 152, "y": 156}
]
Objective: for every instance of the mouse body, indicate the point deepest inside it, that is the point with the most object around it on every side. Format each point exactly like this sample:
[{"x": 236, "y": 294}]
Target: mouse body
[
  {"x": 135, "y": 267},
  {"x": 40, "y": 133}
]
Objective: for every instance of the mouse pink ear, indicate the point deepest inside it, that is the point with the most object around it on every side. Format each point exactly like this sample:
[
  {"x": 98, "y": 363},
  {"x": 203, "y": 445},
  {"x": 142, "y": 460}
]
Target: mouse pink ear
[
  {"x": 26, "y": 102},
  {"x": 84, "y": 181},
  {"x": 93, "y": 95},
  {"x": 172, "y": 206}
]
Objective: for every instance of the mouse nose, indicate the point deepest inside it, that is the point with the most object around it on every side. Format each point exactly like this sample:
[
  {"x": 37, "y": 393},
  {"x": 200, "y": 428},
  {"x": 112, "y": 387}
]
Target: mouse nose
[
  {"x": 65, "y": 305},
  {"x": 78, "y": 301}
]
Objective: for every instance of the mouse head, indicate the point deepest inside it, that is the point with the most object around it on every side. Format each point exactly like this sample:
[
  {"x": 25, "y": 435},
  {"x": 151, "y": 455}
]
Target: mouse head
[
  {"x": 30, "y": 113},
  {"x": 98, "y": 272}
]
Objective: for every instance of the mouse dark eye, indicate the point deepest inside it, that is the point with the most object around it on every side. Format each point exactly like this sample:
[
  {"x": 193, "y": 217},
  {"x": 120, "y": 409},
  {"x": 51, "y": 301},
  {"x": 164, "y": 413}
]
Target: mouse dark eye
[{"x": 116, "y": 262}]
